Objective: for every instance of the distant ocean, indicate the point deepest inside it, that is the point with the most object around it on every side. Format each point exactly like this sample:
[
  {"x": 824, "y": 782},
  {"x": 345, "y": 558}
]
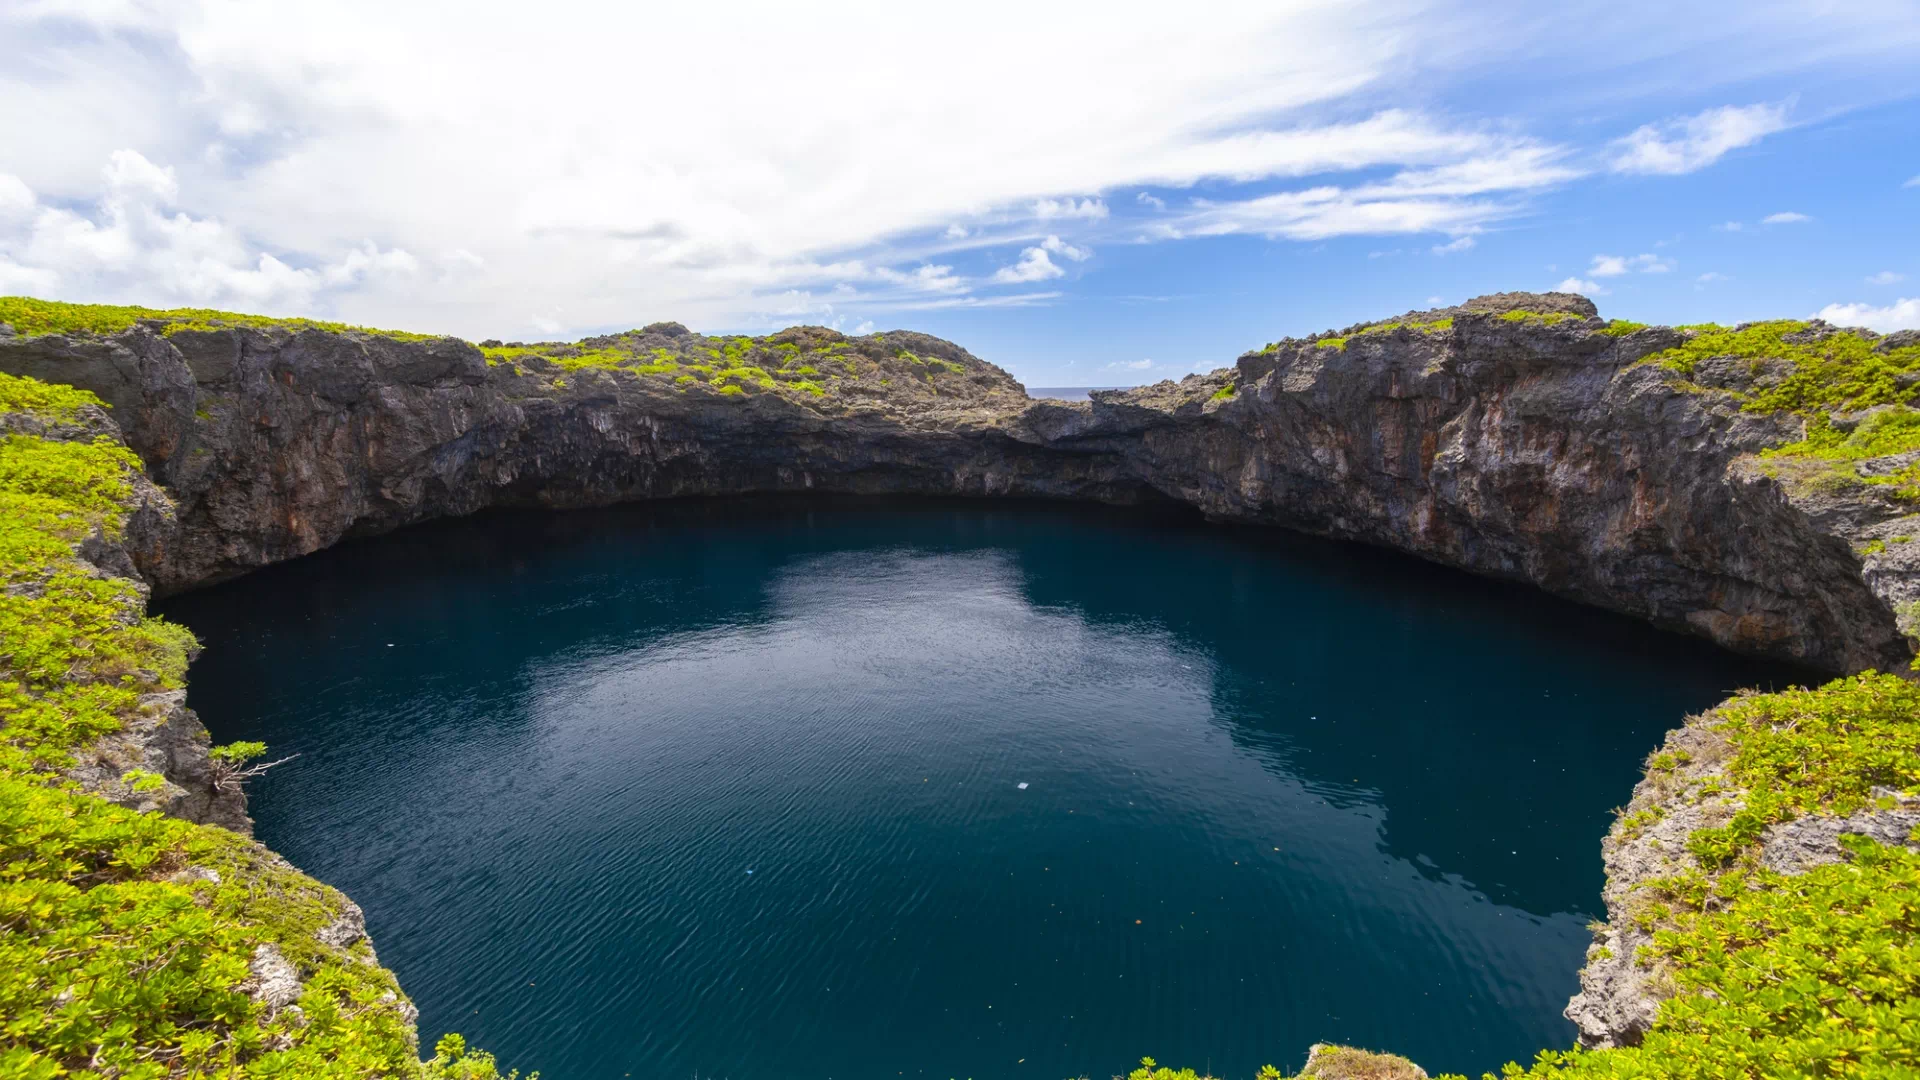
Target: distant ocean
[{"x": 1068, "y": 393}]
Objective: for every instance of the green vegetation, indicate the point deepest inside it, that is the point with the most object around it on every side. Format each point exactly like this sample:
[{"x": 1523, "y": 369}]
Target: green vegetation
[
  {"x": 1819, "y": 751},
  {"x": 30, "y": 317},
  {"x": 1839, "y": 371},
  {"x": 1795, "y": 372},
  {"x": 1434, "y": 327},
  {"x": 1225, "y": 392},
  {"x": 54, "y": 402},
  {"x": 128, "y": 939},
  {"x": 1545, "y": 318},
  {"x": 1621, "y": 327}
]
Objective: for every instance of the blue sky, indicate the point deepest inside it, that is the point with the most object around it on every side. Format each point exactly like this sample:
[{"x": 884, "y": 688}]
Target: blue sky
[{"x": 1086, "y": 194}]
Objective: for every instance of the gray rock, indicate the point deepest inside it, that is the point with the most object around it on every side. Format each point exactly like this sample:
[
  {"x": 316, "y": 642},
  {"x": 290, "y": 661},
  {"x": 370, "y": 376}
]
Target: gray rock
[{"x": 1518, "y": 450}]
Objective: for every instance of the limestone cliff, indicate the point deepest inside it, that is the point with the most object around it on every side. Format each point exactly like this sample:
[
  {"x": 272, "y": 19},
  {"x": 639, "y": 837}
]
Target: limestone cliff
[{"x": 1516, "y": 436}]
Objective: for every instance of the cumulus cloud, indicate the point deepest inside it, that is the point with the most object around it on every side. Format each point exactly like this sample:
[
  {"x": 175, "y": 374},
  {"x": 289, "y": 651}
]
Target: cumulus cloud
[
  {"x": 1090, "y": 209},
  {"x": 1034, "y": 265},
  {"x": 1886, "y": 277},
  {"x": 1464, "y": 243},
  {"x": 1060, "y": 247},
  {"x": 1902, "y": 314},
  {"x": 134, "y": 245},
  {"x": 1616, "y": 265},
  {"x": 1577, "y": 285},
  {"x": 956, "y": 232},
  {"x": 1785, "y": 217},
  {"x": 1690, "y": 143}
]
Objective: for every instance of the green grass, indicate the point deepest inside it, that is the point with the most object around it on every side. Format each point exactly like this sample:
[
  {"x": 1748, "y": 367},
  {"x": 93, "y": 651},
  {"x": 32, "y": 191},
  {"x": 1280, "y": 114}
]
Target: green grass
[
  {"x": 1545, "y": 318},
  {"x": 1225, "y": 392},
  {"x": 49, "y": 400},
  {"x": 30, "y": 318},
  {"x": 1841, "y": 372},
  {"x": 126, "y": 937},
  {"x": 1340, "y": 343}
]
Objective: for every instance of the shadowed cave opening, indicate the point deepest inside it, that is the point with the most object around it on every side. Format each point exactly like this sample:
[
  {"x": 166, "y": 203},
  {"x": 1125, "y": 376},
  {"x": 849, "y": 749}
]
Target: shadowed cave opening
[{"x": 733, "y": 785}]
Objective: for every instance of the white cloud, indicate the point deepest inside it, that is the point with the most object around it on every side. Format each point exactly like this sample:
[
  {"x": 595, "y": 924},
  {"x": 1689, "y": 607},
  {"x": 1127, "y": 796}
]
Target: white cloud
[
  {"x": 1434, "y": 301},
  {"x": 864, "y": 328},
  {"x": 519, "y": 136},
  {"x": 1060, "y": 247},
  {"x": 1616, "y": 265},
  {"x": 1034, "y": 265},
  {"x": 1576, "y": 285},
  {"x": 926, "y": 278},
  {"x": 1686, "y": 144},
  {"x": 1786, "y": 217},
  {"x": 956, "y": 232},
  {"x": 132, "y": 245},
  {"x": 1915, "y": 182},
  {"x": 1131, "y": 365},
  {"x": 1464, "y": 243},
  {"x": 1048, "y": 209},
  {"x": 1886, "y": 277},
  {"x": 1902, "y": 314},
  {"x": 1710, "y": 277},
  {"x": 1730, "y": 226}
]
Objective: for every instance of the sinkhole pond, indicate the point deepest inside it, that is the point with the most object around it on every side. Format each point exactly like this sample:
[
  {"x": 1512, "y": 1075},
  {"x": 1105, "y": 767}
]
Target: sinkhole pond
[{"x": 877, "y": 789}]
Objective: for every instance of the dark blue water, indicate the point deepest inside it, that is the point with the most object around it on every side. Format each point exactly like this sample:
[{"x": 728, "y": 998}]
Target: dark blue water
[{"x": 734, "y": 788}]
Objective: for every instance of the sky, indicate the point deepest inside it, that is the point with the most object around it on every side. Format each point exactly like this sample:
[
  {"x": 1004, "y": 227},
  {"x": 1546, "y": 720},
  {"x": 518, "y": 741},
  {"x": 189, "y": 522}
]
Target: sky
[{"x": 1086, "y": 194}]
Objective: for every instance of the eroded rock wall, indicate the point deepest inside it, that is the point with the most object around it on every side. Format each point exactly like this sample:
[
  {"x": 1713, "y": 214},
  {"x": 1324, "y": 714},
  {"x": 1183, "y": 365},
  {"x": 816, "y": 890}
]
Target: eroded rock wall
[{"x": 1529, "y": 449}]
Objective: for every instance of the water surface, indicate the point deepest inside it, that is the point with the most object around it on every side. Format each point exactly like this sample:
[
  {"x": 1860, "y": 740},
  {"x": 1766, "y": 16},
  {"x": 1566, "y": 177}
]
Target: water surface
[{"x": 735, "y": 788}]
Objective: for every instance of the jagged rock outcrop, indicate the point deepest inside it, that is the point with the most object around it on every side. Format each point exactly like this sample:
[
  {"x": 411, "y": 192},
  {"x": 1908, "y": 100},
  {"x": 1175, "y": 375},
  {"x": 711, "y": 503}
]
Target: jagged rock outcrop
[
  {"x": 1529, "y": 448},
  {"x": 1620, "y": 995}
]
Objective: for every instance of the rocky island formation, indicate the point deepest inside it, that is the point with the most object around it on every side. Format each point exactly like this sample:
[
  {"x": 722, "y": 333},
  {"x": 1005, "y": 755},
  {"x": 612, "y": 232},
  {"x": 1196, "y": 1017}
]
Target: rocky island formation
[{"x": 1755, "y": 485}]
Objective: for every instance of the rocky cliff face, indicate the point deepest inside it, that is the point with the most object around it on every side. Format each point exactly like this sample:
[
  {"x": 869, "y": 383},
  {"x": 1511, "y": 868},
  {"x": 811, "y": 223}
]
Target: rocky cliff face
[{"x": 1529, "y": 447}]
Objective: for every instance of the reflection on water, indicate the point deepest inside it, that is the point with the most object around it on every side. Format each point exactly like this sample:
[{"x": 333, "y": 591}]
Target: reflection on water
[{"x": 735, "y": 787}]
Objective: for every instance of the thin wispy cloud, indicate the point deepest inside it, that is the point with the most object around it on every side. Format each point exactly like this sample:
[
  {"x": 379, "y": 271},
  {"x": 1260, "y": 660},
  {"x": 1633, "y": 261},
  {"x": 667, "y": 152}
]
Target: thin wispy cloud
[
  {"x": 1886, "y": 277},
  {"x": 1785, "y": 217},
  {"x": 1689, "y": 143},
  {"x": 1616, "y": 265},
  {"x": 1454, "y": 247}
]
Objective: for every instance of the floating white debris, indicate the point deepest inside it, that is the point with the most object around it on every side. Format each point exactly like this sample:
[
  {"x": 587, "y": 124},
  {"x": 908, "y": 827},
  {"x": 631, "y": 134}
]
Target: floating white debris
[
  {"x": 1023, "y": 785},
  {"x": 749, "y": 871}
]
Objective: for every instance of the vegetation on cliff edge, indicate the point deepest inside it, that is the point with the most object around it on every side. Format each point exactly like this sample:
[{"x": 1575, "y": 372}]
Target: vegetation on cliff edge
[{"x": 134, "y": 945}]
